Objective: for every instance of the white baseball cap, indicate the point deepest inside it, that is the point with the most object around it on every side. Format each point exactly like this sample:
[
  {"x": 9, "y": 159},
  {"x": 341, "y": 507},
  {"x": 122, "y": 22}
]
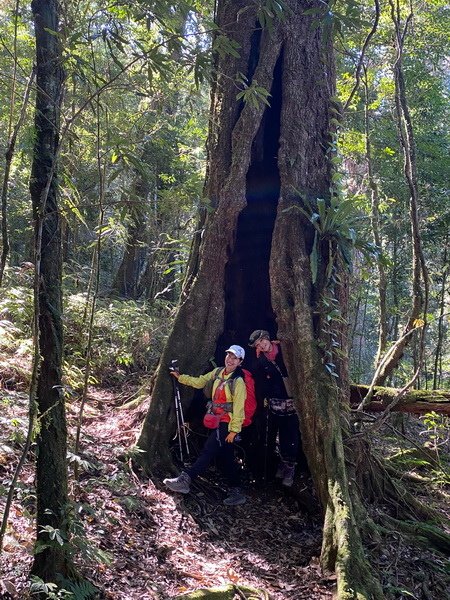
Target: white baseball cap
[{"x": 238, "y": 351}]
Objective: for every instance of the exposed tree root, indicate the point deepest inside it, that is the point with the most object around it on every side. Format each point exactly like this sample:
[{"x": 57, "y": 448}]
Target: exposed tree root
[
  {"x": 228, "y": 592},
  {"x": 407, "y": 476},
  {"x": 378, "y": 483},
  {"x": 423, "y": 534},
  {"x": 373, "y": 480},
  {"x": 406, "y": 505},
  {"x": 134, "y": 403}
]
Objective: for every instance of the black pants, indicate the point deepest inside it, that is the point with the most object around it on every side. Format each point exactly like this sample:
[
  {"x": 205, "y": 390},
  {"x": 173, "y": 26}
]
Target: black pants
[
  {"x": 287, "y": 428},
  {"x": 216, "y": 447}
]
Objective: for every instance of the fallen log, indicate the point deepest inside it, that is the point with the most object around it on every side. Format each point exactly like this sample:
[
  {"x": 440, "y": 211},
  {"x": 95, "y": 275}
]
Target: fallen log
[{"x": 417, "y": 402}]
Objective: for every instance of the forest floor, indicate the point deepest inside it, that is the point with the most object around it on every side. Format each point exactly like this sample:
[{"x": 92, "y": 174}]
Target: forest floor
[{"x": 135, "y": 541}]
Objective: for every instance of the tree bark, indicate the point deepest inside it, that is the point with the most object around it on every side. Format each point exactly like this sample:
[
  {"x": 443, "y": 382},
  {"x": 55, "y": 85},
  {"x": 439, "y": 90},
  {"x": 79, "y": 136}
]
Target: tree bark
[
  {"x": 437, "y": 368},
  {"x": 376, "y": 232},
  {"x": 200, "y": 318},
  {"x": 9, "y": 154},
  {"x": 126, "y": 281},
  {"x": 305, "y": 173},
  {"x": 263, "y": 163},
  {"x": 51, "y": 469}
]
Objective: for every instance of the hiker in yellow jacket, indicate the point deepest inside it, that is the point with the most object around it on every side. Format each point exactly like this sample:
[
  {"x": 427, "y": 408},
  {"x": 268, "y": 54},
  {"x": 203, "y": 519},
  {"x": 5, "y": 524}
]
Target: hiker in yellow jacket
[{"x": 225, "y": 417}]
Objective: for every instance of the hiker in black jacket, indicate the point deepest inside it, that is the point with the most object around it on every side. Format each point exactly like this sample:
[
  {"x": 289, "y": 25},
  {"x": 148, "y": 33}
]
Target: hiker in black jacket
[{"x": 271, "y": 381}]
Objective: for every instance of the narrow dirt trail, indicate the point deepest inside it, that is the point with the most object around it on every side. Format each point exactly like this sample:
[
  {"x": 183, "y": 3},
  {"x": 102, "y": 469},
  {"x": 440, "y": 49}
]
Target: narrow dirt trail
[
  {"x": 134, "y": 541},
  {"x": 162, "y": 545}
]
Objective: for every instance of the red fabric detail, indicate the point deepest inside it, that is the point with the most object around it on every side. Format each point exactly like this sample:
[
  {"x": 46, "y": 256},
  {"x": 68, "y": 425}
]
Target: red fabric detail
[
  {"x": 272, "y": 353},
  {"x": 250, "y": 401},
  {"x": 220, "y": 398}
]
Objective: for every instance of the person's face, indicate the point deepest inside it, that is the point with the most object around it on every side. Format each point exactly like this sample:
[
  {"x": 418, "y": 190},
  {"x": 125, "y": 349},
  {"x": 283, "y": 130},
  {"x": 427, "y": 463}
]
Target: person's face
[
  {"x": 231, "y": 361},
  {"x": 263, "y": 345}
]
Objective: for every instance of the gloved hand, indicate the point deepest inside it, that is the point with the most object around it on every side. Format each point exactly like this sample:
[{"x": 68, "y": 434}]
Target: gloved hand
[{"x": 173, "y": 369}]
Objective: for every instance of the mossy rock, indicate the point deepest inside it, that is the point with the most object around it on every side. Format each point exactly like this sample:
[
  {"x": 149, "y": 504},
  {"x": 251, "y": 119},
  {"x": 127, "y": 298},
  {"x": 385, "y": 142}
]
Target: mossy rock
[{"x": 228, "y": 592}]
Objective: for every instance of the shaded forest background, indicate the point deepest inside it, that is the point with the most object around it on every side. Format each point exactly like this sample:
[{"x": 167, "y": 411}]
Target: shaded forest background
[
  {"x": 131, "y": 167},
  {"x": 135, "y": 114}
]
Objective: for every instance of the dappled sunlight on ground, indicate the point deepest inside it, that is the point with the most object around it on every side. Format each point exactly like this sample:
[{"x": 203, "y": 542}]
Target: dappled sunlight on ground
[{"x": 137, "y": 542}]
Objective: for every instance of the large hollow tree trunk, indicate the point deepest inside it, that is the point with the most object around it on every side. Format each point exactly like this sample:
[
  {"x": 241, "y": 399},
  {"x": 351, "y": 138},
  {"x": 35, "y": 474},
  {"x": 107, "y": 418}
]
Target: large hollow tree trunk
[
  {"x": 305, "y": 172},
  {"x": 201, "y": 316},
  {"x": 254, "y": 261}
]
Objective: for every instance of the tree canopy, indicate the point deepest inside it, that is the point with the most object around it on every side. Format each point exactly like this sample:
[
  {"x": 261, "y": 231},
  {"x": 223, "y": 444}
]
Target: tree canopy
[{"x": 175, "y": 175}]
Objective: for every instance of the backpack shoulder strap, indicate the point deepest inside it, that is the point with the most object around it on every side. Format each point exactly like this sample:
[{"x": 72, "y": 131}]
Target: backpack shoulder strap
[
  {"x": 207, "y": 390},
  {"x": 239, "y": 372}
]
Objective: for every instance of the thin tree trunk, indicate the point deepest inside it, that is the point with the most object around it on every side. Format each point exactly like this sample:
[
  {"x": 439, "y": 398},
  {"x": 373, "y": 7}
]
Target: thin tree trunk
[
  {"x": 8, "y": 161},
  {"x": 376, "y": 232},
  {"x": 394, "y": 329},
  {"x": 126, "y": 282},
  {"x": 101, "y": 168},
  {"x": 51, "y": 469},
  {"x": 441, "y": 326},
  {"x": 361, "y": 335},
  {"x": 194, "y": 255},
  {"x": 419, "y": 270}
]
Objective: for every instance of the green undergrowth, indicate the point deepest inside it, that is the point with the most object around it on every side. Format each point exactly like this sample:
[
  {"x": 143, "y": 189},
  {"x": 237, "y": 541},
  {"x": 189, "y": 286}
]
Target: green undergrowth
[
  {"x": 127, "y": 336},
  {"x": 419, "y": 447}
]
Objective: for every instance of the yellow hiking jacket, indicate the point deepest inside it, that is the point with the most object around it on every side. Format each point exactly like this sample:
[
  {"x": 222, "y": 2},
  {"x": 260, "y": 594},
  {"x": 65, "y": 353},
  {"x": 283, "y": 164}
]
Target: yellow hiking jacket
[{"x": 238, "y": 399}]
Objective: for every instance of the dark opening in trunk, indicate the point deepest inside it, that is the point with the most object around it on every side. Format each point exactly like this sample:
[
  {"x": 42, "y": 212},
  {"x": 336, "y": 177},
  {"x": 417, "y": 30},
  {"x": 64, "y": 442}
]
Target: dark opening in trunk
[{"x": 247, "y": 286}]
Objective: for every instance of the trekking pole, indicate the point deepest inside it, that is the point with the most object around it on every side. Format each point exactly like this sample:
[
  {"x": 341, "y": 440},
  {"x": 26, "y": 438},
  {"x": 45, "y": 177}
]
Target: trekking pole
[
  {"x": 266, "y": 441},
  {"x": 177, "y": 415},
  {"x": 181, "y": 428},
  {"x": 182, "y": 421}
]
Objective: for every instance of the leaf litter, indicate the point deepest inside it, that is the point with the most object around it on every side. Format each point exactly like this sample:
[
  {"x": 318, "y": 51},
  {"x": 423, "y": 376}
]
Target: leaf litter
[{"x": 137, "y": 542}]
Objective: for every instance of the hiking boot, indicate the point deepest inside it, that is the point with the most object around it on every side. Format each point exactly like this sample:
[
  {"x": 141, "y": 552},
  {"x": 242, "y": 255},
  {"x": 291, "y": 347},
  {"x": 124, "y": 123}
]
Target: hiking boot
[
  {"x": 179, "y": 484},
  {"x": 235, "y": 497},
  {"x": 289, "y": 472}
]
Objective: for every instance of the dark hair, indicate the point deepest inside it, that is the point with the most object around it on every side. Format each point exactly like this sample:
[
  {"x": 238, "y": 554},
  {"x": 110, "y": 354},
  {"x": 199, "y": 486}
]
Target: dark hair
[{"x": 238, "y": 372}]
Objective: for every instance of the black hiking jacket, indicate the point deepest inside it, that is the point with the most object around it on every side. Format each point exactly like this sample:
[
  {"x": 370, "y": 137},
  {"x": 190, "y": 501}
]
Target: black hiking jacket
[{"x": 269, "y": 377}]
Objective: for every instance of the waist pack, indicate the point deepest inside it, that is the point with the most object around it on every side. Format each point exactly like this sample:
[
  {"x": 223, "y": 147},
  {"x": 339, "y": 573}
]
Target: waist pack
[
  {"x": 211, "y": 421},
  {"x": 250, "y": 400},
  {"x": 281, "y": 406}
]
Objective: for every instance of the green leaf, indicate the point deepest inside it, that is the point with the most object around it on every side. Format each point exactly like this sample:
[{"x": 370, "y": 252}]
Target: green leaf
[
  {"x": 224, "y": 46},
  {"x": 314, "y": 259}
]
